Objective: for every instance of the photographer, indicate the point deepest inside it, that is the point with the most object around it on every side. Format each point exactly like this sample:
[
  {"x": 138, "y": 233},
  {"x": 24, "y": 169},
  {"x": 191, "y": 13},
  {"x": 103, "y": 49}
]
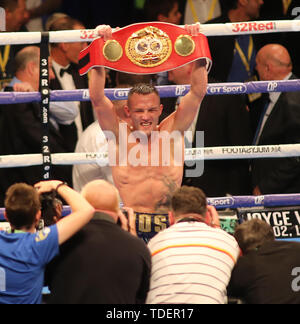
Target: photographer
[
  {"x": 25, "y": 252},
  {"x": 51, "y": 208},
  {"x": 202, "y": 254}
]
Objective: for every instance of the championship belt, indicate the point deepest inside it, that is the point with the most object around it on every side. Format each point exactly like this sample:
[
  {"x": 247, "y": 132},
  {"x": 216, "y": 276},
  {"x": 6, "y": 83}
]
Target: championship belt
[{"x": 146, "y": 48}]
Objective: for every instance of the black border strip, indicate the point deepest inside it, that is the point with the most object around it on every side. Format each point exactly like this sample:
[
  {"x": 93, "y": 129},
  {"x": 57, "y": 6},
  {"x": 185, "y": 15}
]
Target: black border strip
[{"x": 45, "y": 104}]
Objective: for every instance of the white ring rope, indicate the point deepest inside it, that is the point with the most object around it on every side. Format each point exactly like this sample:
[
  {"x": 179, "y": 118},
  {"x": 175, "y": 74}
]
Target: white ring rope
[
  {"x": 241, "y": 28},
  {"x": 195, "y": 154}
]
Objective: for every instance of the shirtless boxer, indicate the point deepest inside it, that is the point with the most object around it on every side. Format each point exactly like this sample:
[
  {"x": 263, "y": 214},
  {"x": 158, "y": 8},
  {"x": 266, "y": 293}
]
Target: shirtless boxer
[{"x": 144, "y": 187}]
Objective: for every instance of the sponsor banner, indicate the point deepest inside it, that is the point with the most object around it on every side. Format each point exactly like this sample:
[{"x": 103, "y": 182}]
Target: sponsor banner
[
  {"x": 121, "y": 94},
  {"x": 228, "y": 221},
  {"x": 147, "y": 226},
  {"x": 254, "y": 26},
  {"x": 190, "y": 155},
  {"x": 285, "y": 221},
  {"x": 164, "y": 91},
  {"x": 242, "y": 152},
  {"x": 229, "y": 88},
  {"x": 223, "y": 202},
  {"x": 241, "y": 28},
  {"x": 252, "y": 150}
]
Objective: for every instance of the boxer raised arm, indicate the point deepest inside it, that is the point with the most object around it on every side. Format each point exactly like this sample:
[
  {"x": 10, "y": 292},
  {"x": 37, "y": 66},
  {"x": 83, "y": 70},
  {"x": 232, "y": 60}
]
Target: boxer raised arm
[
  {"x": 180, "y": 120},
  {"x": 142, "y": 184}
]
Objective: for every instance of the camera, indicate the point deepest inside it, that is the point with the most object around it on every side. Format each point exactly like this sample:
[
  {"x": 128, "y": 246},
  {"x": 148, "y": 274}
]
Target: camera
[
  {"x": 51, "y": 208},
  {"x": 125, "y": 213}
]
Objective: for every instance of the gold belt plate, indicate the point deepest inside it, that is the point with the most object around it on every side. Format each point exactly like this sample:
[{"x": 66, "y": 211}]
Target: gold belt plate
[{"x": 148, "y": 47}]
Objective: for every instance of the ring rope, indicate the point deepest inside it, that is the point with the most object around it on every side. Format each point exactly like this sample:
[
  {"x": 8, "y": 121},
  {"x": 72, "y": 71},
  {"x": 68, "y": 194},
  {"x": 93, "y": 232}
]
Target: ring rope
[
  {"x": 255, "y": 201},
  {"x": 241, "y": 28},
  {"x": 164, "y": 91},
  {"x": 234, "y": 202},
  {"x": 191, "y": 155}
]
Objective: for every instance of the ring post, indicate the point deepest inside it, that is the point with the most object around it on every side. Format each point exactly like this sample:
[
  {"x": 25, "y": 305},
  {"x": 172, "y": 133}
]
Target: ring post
[{"x": 45, "y": 103}]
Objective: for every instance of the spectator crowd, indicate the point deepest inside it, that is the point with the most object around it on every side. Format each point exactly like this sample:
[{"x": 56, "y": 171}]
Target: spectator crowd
[{"x": 165, "y": 245}]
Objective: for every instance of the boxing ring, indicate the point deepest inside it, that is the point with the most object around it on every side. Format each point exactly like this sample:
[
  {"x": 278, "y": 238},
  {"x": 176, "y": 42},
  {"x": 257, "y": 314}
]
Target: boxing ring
[{"x": 280, "y": 211}]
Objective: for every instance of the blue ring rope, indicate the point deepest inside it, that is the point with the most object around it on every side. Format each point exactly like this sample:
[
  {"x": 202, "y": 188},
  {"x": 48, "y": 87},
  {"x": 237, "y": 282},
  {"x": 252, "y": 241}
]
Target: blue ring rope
[
  {"x": 266, "y": 201},
  {"x": 164, "y": 91}
]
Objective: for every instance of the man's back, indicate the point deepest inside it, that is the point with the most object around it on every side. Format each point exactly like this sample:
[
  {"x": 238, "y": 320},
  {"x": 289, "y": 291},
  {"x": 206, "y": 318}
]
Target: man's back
[
  {"x": 26, "y": 254},
  {"x": 102, "y": 264},
  {"x": 264, "y": 276},
  {"x": 191, "y": 263}
]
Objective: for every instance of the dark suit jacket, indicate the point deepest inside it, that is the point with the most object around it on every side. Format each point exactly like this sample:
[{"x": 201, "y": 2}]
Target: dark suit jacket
[
  {"x": 271, "y": 10},
  {"x": 222, "y": 50},
  {"x": 21, "y": 133},
  {"x": 291, "y": 40},
  {"x": 112, "y": 267},
  {"x": 263, "y": 276},
  {"x": 274, "y": 176},
  {"x": 225, "y": 122},
  {"x": 69, "y": 132}
]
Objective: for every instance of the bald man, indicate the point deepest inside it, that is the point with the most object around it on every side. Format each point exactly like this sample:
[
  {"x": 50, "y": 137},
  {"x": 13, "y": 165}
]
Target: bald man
[
  {"x": 273, "y": 62},
  {"x": 103, "y": 264},
  {"x": 108, "y": 202},
  {"x": 279, "y": 123}
]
